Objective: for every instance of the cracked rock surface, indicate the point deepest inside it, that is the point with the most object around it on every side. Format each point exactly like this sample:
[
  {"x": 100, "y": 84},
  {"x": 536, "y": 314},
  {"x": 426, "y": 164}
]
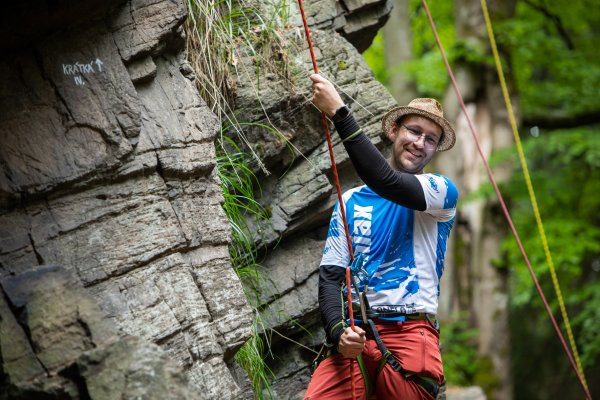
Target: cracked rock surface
[
  {"x": 107, "y": 167},
  {"x": 299, "y": 192},
  {"x": 57, "y": 344}
]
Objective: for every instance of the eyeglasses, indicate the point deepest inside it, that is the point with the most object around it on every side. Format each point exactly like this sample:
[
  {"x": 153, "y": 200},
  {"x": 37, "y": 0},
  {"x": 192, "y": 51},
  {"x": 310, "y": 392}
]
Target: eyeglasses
[{"x": 414, "y": 135}]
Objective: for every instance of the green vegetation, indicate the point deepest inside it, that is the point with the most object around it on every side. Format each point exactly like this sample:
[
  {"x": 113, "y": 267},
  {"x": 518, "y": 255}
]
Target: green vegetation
[
  {"x": 459, "y": 349},
  {"x": 238, "y": 183},
  {"x": 251, "y": 358},
  {"x": 554, "y": 56},
  {"x": 556, "y": 70},
  {"x": 566, "y": 175},
  {"x": 552, "y": 62},
  {"x": 462, "y": 364},
  {"x": 215, "y": 32},
  {"x": 374, "y": 56},
  {"x": 427, "y": 69}
]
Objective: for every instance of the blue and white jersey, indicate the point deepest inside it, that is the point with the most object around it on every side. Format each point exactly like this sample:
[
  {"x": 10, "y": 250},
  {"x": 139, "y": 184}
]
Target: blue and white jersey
[{"x": 403, "y": 248}]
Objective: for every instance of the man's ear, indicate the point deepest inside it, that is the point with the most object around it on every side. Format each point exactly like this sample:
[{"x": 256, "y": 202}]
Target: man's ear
[{"x": 393, "y": 132}]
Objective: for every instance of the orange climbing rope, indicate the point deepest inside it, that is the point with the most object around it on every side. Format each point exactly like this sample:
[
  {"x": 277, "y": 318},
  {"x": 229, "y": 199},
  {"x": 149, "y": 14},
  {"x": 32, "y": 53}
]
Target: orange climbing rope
[
  {"x": 501, "y": 200},
  {"x": 338, "y": 189}
]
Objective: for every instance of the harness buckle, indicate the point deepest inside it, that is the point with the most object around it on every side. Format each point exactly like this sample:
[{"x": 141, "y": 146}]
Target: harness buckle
[
  {"x": 389, "y": 358},
  {"x": 326, "y": 350}
]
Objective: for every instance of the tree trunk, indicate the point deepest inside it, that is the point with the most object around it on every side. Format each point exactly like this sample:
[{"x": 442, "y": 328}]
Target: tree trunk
[
  {"x": 398, "y": 50},
  {"x": 476, "y": 285}
]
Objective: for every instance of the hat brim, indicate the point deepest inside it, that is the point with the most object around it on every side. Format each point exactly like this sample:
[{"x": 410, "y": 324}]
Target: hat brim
[{"x": 448, "y": 136}]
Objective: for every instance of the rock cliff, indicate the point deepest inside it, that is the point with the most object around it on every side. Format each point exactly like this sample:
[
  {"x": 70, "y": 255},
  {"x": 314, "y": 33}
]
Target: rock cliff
[
  {"x": 107, "y": 168},
  {"x": 57, "y": 344},
  {"x": 299, "y": 191}
]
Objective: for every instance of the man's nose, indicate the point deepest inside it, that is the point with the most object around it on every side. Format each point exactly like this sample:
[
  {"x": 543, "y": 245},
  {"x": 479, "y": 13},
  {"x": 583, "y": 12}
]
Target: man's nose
[{"x": 420, "y": 140}]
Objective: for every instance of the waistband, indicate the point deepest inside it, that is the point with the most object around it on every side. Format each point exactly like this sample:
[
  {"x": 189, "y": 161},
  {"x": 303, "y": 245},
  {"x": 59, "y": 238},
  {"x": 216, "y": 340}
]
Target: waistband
[{"x": 400, "y": 318}]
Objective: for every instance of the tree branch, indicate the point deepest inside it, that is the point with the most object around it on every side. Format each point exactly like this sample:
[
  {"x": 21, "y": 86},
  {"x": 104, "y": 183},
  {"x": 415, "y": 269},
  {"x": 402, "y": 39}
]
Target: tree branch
[
  {"x": 562, "y": 31},
  {"x": 558, "y": 121}
]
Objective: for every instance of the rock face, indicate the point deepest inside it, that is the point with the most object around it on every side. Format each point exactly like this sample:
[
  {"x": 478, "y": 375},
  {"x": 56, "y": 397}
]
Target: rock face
[
  {"x": 56, "y": 343},
  {"x": 299, "y": 191},
  {"x": 107, "y": 168},
  {"x": 356, "y": 20},
  {"x": 469, "y": 393}
]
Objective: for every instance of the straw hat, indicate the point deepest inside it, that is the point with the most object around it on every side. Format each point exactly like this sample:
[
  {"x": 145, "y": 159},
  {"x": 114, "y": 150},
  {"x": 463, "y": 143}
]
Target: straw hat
[{"x": 429, "y": 108}]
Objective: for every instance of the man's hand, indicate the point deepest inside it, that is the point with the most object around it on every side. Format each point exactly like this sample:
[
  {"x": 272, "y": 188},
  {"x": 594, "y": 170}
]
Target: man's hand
[
  {"x": 352, "y": 342},
  {"x": 325, "y": 97}
]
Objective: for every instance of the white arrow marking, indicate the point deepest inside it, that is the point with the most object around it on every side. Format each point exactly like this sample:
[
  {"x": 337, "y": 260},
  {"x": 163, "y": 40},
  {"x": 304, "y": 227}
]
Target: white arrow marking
[{"x": 99, "y": 64}]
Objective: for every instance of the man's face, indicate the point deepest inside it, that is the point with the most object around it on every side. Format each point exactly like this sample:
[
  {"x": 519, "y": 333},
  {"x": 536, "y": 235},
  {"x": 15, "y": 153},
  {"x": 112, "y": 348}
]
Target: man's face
[{"x": 415, "y": 141}]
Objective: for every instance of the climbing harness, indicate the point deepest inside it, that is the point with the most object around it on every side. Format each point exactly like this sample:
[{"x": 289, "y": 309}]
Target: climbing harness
[
  {"x": 534, "y": 204},
  {"x": 359, "y": 278},
  {"x": 337, "y": 187},
  {"x": 501, "y": 200},
  {"x": 369, "y": 316},
  {"x": 428, "y": 384}
]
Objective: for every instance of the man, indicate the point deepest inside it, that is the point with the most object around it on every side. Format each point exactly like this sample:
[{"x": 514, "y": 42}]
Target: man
[{"x": 399, "y": 222}]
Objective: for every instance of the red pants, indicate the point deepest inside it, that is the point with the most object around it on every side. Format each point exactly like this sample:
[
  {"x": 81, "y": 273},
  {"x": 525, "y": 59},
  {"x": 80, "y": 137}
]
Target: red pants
[{"x": 414, "y": 343}]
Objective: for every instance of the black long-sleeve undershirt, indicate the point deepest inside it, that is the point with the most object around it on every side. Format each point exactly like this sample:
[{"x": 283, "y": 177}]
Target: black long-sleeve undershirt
[
  {"x": 331, "y": 278},
  {"x": 397, "y": 186},
  {"x": 400, "y": 187}
]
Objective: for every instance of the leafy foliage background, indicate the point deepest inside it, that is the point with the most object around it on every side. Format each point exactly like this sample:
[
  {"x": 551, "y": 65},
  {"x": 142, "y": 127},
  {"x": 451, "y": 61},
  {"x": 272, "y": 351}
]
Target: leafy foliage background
[{"x": 551, "y": 55}]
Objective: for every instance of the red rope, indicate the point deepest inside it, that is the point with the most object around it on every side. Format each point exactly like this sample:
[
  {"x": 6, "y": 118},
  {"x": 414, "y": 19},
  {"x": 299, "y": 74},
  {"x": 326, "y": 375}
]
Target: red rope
[
  {"x": 339, "y": 192},
  {"x": 501, "y": 200},
  {"x": 329, "y": 143}
]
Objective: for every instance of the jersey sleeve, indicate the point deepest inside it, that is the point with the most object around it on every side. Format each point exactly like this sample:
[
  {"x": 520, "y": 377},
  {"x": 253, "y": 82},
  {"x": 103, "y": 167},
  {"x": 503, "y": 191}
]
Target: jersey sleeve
[
  {"x": 441, "y": 196},
  {"x": 336, "y": 247}
]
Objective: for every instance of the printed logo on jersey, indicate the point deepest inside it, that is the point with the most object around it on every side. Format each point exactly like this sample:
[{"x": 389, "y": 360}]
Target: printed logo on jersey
[
  {"x": 361, "y": 235},
  {"x": 402, "y": 308},
  {"x": 433, "y": 183}
]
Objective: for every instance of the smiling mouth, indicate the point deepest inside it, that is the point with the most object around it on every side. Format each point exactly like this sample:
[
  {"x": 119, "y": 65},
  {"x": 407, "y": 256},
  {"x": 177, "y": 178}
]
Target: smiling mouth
[{"x": 416, "y": 155}]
